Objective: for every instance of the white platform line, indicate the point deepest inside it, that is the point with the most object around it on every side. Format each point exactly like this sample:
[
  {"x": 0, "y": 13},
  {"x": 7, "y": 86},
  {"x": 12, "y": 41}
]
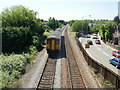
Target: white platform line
[{"x": 57, "y": 80}]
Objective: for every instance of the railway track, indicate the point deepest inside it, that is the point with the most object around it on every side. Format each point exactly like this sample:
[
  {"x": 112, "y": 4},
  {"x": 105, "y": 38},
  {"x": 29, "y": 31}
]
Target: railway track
[
  {"x": 76, "y": 80},
  {"x": 47, "y": 78}
]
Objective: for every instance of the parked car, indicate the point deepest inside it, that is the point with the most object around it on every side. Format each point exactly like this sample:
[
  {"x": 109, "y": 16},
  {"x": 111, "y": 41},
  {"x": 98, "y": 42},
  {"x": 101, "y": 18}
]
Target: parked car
[
  {"x": 116, "y": 53},
  {"x": 115, "y": 61},
  {"x": 90, "y": 42},
  {"x": 94, "y": 34},
  {"x": 83, "y": 36},
  {"x": 95, "y": 37},
  {"x": 88, "y": 36},
  {"x": 97, "y": 42}
]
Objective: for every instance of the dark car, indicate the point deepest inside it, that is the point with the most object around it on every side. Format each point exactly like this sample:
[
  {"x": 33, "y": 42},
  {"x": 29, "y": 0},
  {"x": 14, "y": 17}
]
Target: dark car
[
  {"x": 116, "y": 53},
  {"x": 95, "y": 37},
  {"x": 97, "y": 42},
  {"x": 115, "y": 61},
  {"x": 90, "y": 42}
]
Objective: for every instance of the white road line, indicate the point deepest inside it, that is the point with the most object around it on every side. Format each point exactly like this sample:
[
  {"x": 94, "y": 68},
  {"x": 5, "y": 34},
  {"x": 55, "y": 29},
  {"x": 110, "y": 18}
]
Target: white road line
[
  {"x": 99, "y": 49},
  {"x": 105, "y": 53}
]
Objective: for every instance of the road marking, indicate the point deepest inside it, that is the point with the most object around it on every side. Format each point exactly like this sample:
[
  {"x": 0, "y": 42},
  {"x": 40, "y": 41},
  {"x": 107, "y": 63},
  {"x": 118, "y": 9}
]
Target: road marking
[
  {"x": 99, "y": 49},
  {"x": 105, "y": 53}
]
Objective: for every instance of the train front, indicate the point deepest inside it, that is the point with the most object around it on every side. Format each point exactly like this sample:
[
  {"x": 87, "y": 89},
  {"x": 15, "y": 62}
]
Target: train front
[{"x": 53, "y": 43}]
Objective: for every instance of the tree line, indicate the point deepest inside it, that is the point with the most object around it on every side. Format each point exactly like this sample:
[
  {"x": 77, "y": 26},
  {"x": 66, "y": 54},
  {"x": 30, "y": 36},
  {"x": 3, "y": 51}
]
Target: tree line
[
  {"x": 20, "y": 28},
  {"x": 105, "y": 28}
]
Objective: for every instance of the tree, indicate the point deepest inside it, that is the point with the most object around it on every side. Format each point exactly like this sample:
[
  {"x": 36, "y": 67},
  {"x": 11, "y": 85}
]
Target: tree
[
  {"x": 77, "y": 26},
  {"x": 81, "y": 26},
  {"x": 52, "y": 23},
  {"x": 102, "y": 32},
  {"x": 19, "y": 25},
  {"x": 110, "y": 29},
  {"x": 116, "y": 19},
  {"x": 95, "y": 28},
  {"x": 106, "y": 31}
]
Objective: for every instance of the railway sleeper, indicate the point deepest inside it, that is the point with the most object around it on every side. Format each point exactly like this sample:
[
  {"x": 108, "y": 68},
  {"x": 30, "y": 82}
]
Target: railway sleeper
[
  {"x": 75, "y": 75},
  {"x": 46, "y": 82},
  {"x": 76, "y": 86},
  {"x": 48, "y": 73},
  {"x": 76, "y": 78},
  {"x": 46, "y": 79},
  {"x": 75, "y": 71},
  {"x": 45, "y": 86},
  {"x": 47, "y": 76}
]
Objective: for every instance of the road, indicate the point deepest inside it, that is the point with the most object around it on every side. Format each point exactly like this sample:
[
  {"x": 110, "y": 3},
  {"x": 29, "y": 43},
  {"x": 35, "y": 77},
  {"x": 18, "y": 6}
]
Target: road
[{"x": 101, "y": 53}]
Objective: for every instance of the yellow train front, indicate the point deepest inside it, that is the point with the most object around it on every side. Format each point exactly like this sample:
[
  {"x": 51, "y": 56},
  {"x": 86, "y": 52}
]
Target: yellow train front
[{"x": 53, "y": 43}]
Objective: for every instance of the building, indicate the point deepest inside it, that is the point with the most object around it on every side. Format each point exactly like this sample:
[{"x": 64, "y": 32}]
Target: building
[
  {"x": 116, "y": 34},
  {"x": 119, "y": 9}
]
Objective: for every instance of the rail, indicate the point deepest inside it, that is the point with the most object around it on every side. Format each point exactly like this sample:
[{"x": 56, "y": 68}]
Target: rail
[
  {"x": 47, "y": 78},
  {"x": 76, "y": 80}
]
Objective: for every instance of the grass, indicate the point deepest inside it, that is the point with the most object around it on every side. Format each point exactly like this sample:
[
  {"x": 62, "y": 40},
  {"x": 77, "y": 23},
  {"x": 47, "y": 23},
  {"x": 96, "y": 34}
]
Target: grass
[
  {"x": 107, "y": 84},
  {"x": 73, "y": 34}
]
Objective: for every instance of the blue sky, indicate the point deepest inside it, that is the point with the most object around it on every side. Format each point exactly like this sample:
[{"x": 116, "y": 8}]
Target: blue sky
[{"x": 68, "y": 9}]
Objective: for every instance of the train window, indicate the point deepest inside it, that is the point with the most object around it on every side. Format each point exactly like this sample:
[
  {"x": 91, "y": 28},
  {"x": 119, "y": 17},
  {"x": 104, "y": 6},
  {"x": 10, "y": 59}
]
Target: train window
[
  {"x": 48, "y": 41},
  {"x": 57, "y": 41}
]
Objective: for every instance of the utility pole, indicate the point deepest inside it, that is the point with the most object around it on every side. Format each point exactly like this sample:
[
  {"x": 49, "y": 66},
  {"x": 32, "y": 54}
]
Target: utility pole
[{"x": 82, "y": 20}]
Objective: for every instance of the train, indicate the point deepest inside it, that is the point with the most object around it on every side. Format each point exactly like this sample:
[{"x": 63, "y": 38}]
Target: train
[{"x": 53, "y": 42}]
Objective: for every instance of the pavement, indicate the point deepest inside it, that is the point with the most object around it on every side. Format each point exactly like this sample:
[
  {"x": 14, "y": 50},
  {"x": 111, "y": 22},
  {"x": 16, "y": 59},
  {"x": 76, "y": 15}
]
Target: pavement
[{"x": 31, "y": 78}]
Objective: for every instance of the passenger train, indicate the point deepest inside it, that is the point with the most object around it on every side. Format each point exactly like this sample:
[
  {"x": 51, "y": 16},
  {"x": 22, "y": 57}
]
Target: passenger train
[{"x": 53, "y": 42}]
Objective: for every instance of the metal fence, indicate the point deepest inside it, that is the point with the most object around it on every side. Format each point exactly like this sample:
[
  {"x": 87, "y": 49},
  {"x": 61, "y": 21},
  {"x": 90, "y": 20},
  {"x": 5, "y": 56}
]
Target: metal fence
[{"x": 99, "y": 68}]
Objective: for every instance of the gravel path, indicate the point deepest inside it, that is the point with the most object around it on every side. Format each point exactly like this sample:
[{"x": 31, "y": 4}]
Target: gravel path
[{"x": 31, "y": 78}]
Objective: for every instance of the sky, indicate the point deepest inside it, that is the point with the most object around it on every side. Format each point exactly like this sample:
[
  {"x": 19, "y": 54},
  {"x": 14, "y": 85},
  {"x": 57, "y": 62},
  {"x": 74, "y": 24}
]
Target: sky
[{"x": 68, "y": 9}]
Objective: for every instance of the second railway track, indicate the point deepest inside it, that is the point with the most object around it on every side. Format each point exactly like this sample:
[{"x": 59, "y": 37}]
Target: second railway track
[
  {"x": 47, "y": 78},
  {"x": 76, "y": 80}
]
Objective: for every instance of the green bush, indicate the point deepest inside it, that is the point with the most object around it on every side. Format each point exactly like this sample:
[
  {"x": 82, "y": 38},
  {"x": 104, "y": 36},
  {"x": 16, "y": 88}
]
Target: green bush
[
  {"x": 9, "y": 81},
  {"x": 16, "y": 38},
  {"x": 13, "y": 62},
  {"x": 13, "y": 66}
]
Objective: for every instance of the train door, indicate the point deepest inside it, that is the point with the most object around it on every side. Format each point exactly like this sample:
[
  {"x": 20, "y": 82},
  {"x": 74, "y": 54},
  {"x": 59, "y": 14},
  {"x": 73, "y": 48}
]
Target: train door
[{"x": 52, "y": 44}]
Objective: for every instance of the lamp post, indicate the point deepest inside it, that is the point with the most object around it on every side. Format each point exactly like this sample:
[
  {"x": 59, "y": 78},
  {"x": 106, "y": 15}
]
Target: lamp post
[{"x": 82, "y": 20}]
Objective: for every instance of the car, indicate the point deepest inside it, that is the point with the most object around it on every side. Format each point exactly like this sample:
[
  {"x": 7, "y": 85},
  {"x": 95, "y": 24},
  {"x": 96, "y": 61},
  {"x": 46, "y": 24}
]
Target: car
[
  {"x": 94, "y": 34},
  {"x": 97, "y": 42},
  {"x": 116, "y": 53},
  {"x": 83, "y": 36},
  {"x": 115, "y": 61},
  {"x": 90, "y": 42},
  {"x": 95, "y": 37},
  {"x": 88, "y": 36}
]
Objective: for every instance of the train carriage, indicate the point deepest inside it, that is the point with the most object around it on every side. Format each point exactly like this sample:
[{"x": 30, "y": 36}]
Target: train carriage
[{"x": 53, "y": 42}]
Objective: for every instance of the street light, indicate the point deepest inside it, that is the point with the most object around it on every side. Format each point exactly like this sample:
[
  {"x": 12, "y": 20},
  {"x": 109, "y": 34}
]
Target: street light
[{"x": 82, "y": 20}]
